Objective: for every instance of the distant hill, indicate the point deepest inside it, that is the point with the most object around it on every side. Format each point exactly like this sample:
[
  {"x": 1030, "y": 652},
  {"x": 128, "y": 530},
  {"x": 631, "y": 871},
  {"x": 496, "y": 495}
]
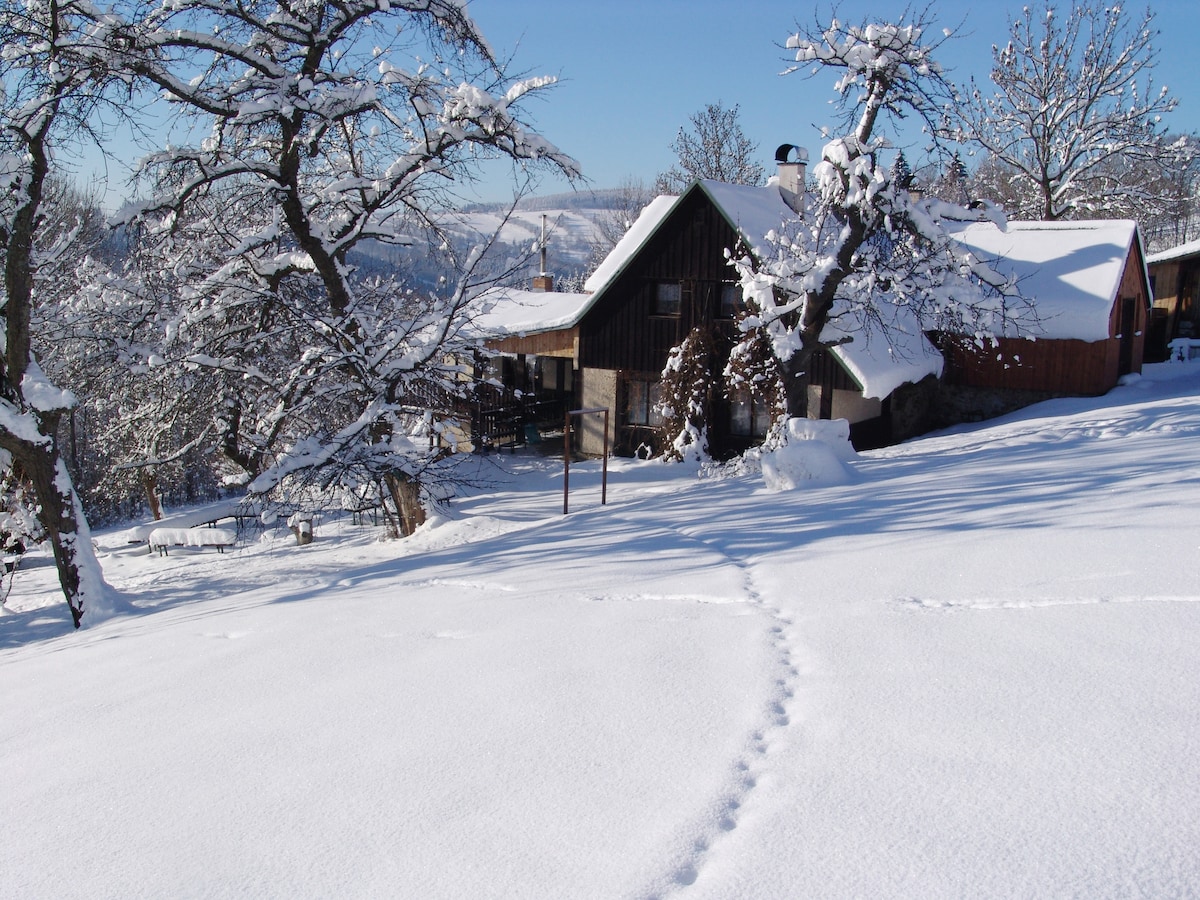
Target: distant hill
[
  {"x": 584, "y": 201},
  {"x": 572, "y": 236}
]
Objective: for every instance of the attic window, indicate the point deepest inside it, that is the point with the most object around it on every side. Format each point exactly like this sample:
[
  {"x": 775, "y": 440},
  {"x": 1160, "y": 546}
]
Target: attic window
[{"x": 668, "y": 298}]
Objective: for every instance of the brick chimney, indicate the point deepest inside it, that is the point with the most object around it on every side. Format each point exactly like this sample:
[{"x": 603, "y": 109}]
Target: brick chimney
[{"x": 791, "y": 175}]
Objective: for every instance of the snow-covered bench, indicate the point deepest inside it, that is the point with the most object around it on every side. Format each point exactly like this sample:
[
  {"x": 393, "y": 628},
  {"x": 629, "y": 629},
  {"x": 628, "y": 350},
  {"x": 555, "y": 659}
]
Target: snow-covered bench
[
  {"x": 209, "y": 514},
  {"x": 162, "y": 538},
  {"x": 1185, "y": 348}
]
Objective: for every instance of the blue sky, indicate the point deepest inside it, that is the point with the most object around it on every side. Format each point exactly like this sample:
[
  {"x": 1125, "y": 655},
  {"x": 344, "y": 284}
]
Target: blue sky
[{"x": 633, "y": 71}]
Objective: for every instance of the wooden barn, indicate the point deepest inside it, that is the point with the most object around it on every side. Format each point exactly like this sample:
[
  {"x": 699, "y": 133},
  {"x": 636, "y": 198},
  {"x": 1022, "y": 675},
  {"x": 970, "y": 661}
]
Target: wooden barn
[
  {"x": 1175, "y": 281},
  {"x": 1091, "y": 301},
  {"x": 668, "y": 275}
]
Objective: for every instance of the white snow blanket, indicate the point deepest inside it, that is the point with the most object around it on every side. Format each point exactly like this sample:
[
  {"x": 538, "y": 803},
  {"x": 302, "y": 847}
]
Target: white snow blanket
[{"x": 970, "y": 672}]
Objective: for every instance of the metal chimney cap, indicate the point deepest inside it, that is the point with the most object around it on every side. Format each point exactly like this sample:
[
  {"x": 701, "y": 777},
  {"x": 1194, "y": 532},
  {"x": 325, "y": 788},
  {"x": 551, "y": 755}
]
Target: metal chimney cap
[{"x": 781, "y": 155}]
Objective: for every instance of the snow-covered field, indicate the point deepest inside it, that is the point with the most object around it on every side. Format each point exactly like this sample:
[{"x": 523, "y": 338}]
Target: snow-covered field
[{"x": 972, "y": 672}]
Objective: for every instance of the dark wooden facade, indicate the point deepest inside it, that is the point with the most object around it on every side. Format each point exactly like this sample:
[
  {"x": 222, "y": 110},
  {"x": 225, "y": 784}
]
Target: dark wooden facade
[
  {"x": 622, "y": 330},
  {"x": 625, "y": 331}
]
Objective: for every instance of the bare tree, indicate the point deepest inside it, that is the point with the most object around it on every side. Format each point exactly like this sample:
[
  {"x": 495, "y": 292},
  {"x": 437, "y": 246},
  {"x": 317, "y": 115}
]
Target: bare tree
[
  {"x": 1073, "y": 112},
  {"x": 714, "y": 147},
  {"x": 1178, "y": 181}
]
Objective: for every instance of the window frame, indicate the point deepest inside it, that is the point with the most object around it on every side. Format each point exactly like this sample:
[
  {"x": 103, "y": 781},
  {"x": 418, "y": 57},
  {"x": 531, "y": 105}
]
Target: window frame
[
  {"x": 667, "y": 307},
  {"x": 733, "y": 309},
  {"x": 758, "y": 419},
  {"x": 643, "y": 401}
]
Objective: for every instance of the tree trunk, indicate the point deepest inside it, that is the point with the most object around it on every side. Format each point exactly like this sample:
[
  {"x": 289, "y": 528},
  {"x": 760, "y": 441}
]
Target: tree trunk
[
  {"x": 150, "y": 488},
  {"x": 406, "y": 495},
  {"x": 62, "y": 520},
  {"x": 795, "y": 385}
]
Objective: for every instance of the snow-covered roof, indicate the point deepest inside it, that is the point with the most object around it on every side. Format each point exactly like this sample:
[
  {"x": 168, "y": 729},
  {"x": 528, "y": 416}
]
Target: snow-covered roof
[
  {"x": 754, "y": 211},
  {"x": 882, "y": 361},
  {"x": 1191, "y": 248},
  {"x": 879, "y": 362},
  {"x": 507, "y": 312},
  {"x": 1070, "y": 270}
]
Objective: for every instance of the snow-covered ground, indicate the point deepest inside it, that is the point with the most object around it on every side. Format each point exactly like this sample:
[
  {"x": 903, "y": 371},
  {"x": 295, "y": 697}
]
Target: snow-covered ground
[{"x": 972, "y": 672}]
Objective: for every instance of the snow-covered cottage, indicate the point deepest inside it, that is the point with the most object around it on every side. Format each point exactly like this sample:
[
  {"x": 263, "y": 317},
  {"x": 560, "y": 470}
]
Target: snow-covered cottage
[
  {"x": 607, "y": 347},
  {"x": 1091, "y": 297},
  {"x": 1175, "y": 280},
  {"x": 668, "y": 275}
]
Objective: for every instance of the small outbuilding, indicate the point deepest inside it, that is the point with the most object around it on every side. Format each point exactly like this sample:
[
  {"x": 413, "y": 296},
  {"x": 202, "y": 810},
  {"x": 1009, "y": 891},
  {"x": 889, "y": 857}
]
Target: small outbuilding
[
  {"x": 1175, "y": 281},
  {"x": 1091, "y": 299}
]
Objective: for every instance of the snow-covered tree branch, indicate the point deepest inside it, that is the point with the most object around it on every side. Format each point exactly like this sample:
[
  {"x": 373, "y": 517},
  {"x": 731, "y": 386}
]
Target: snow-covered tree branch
[
  {"x": 867, "y": 258},
  {"x": 332, "y": 129},
  {"x": 55, "y": 69}
]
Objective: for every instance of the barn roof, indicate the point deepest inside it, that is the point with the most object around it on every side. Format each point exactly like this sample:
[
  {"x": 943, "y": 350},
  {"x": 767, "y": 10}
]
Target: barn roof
[{"x": 1072, "y": 271}]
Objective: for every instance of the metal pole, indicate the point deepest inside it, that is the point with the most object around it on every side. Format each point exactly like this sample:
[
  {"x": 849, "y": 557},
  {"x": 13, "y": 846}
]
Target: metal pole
[
  {"x": 604, "y": 464},
  {"x": 566, "y": 458},
  {"x": 567, "y": 454}
]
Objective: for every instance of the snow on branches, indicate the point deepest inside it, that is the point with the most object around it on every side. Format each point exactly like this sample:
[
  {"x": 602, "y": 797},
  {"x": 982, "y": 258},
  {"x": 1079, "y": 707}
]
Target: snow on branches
[
  {"x": 1073, "y": 117},
  {"x": 55, "y": 71},
  {"x": 333, "y": 130},
  {"x": 865, "y": 258}
]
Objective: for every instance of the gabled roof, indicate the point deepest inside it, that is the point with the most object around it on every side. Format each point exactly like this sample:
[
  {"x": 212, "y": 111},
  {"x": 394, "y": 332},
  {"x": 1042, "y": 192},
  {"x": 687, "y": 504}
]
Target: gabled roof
[
  {"x": 1071, "y": 270},
  {"x": 754, "y": 212},
  {"x": 879, "y": 363},
  {"x": 1183, "y": 251},
  {"x": 647, "y": 223}
]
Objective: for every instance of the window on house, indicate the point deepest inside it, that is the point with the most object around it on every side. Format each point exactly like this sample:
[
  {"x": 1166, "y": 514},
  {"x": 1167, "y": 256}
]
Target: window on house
[
  {"x": 749, "y": 416},
  {"x": 642, "y": 400},
  {"x": 731, "y": 301},
  {"x": 668, "y": 298}
]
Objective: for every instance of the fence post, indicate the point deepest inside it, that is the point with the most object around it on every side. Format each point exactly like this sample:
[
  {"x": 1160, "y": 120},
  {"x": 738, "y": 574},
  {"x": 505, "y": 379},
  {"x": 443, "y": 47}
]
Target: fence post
[{"x": 567, "y": 454}]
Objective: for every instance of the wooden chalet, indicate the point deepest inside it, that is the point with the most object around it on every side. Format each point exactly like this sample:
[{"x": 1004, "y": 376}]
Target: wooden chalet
[
  {"x": 607, "y": 348},
  {"x": 1175, "y": 281}
]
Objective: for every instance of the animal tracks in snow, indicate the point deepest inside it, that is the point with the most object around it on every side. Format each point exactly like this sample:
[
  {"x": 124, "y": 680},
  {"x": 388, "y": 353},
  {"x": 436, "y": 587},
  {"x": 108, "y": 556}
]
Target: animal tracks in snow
[
  {"x": 919, "y": 604},
  {"x": 752, "y": 766}
]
